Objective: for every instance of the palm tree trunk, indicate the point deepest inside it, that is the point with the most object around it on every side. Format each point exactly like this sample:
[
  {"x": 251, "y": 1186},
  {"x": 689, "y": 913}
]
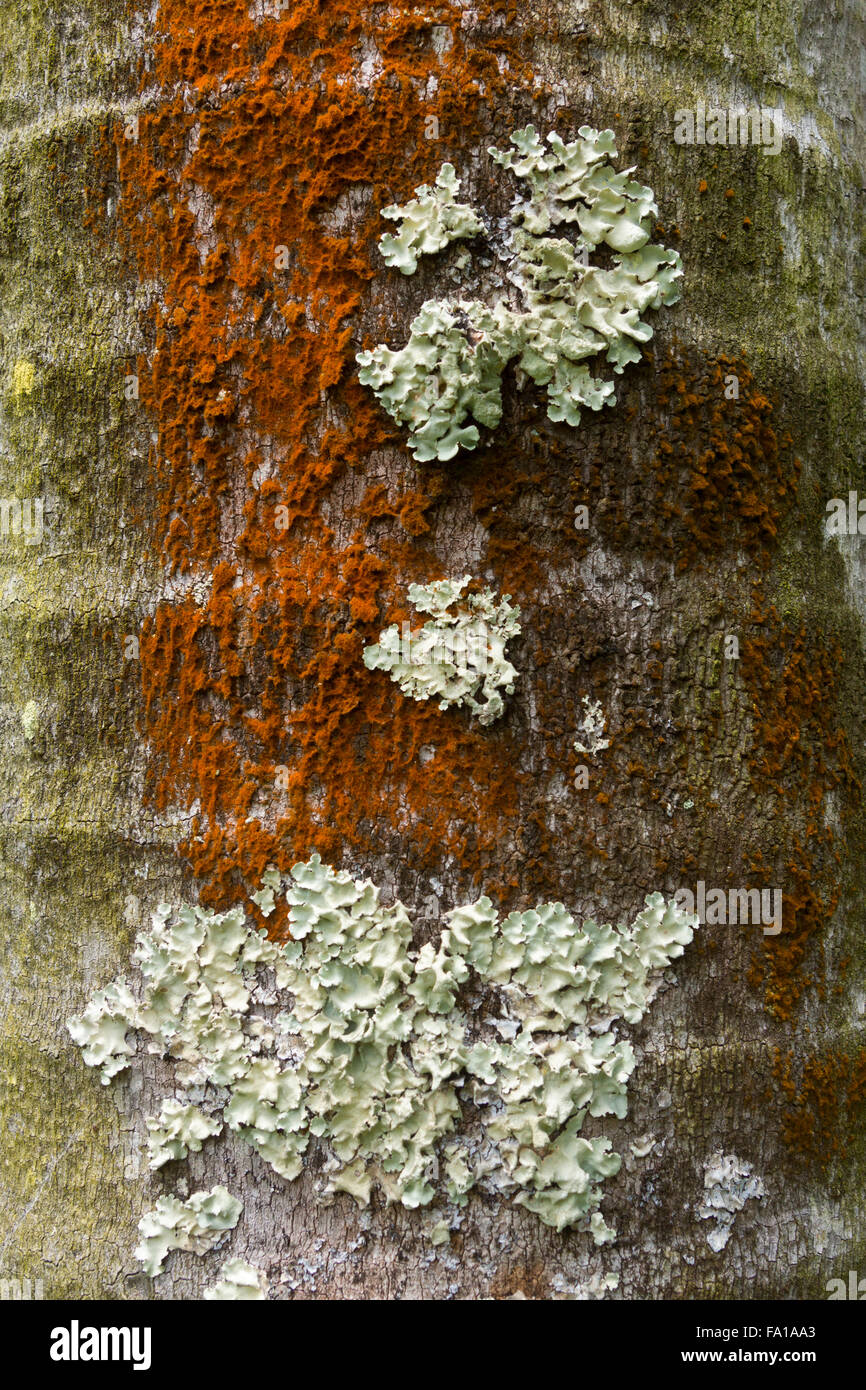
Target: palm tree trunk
[{"x": 190, "y": 216}]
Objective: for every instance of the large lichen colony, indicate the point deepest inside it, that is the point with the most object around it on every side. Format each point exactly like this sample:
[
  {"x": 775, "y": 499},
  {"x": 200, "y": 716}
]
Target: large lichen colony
[
  {"x": 350, "y": 1035},
  {"x": 553, "y": 309}
]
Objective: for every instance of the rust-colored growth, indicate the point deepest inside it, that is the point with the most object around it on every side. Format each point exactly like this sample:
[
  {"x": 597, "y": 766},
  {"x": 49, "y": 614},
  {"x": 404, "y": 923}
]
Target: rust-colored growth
[
  {"x": 528, "y": 1281},
  {"x": 825, "y": 1098},
  {"x": 799, "y": 755},
  {"x": 718, "y": 470},
  {"x": 259, "y": 712},
  {"x": 252, "y": 198}
]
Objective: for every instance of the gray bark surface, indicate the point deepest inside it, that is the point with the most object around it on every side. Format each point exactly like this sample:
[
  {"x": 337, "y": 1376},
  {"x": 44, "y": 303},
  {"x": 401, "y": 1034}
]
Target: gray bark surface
[{"x": 85, "y": 858}]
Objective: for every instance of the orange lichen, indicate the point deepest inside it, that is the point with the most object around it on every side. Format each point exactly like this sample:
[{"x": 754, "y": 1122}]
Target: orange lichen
[
  {"x": 251, "y": 198},
  {"x": 291, "y": 515},
  {"x": 798, "y": 756},
  {"x": 718, "y": 469},
  {"x": 825, "y": 1097}
]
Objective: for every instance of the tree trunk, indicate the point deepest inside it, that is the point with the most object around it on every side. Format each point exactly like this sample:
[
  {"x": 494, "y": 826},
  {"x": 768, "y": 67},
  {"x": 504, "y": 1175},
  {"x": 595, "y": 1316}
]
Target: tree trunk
[{"x": 230, "y": 517}]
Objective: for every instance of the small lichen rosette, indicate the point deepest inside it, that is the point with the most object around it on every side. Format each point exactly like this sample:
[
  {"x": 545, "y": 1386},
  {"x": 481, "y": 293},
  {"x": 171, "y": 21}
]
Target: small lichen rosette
[
  {"x": 458, "y": 656},
  {"x": 549, "y": 309},
  {"x": 729, "y": 1184},
  {"x": 352, "y": 1035}
]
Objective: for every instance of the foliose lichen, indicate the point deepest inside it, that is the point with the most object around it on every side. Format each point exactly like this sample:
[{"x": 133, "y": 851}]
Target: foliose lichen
[
  {"x": 592, "y": 728},
  {"x": 177, "y": 1131},
  {"x": 555, "y": 310},
  {"x": 240, "y": 1282},
  {"x": 197, "y": 1225},
  {"x": 381, "y": 1042},
  {"x": 428, "y": 223},
  {"x": 458, "y": 656},
  {"x": 728, "y": 1185}
]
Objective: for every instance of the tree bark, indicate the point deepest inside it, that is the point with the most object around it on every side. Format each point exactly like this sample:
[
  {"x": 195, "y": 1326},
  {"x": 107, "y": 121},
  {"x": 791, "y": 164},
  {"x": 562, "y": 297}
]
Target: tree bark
[{"x": 136, "y": 775}]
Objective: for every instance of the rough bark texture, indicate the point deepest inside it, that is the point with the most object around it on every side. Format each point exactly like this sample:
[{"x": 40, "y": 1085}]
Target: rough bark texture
[{"x": 758, "y": 1048}]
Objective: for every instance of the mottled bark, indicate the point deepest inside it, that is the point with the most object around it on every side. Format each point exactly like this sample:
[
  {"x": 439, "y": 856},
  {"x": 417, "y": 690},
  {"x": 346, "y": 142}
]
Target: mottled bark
[{"x": 773, "y": 276}]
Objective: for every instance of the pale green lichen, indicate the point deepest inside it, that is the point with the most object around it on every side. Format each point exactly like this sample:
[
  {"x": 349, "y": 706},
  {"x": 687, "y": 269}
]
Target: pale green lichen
[
  {"x": 594, "y": 1288},
  {"x": 558, "y": 311},
  {"x": 450, "y": 369},
  {"x": 458, "y": 656},
  {"x": 240, "y": 1282},
  {"x": 197, "y": 1225},
  {"x": 101, "y": 1030},
  {"x": 178, "y": 1130},
  {"x": 729, "y": 1184},
  {"x": 428, "y": 223},
  {"x": 592, "y": 728},
  {"x": 381, "y": 1042},
  {"x": 439, "y": 1233}
]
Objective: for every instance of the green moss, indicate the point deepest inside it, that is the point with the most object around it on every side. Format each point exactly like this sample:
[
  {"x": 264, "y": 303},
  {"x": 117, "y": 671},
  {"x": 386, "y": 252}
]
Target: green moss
[
  {"x": 72, "y": 841},
  {"x": 78, "y": 52}
]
